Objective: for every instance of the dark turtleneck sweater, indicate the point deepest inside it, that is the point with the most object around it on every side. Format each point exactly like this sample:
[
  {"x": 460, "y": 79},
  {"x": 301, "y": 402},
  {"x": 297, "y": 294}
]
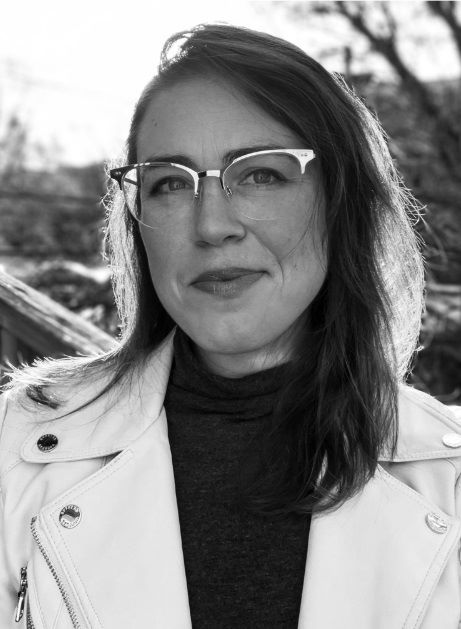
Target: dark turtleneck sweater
[{"x": 243, "y": 570}]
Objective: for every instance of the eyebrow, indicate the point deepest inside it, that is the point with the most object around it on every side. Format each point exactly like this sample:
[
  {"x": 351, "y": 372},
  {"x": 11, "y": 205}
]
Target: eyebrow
[{"x": 184, "y": 160}]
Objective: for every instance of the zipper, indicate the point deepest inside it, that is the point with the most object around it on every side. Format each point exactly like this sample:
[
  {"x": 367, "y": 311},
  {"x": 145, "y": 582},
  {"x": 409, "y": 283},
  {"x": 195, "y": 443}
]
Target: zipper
[
  {"x": 21, "y": 595},
  {"x": 70, "y": 608},
  {"x": 30, "y": 622},
  {"x": 19, "y": 612}
]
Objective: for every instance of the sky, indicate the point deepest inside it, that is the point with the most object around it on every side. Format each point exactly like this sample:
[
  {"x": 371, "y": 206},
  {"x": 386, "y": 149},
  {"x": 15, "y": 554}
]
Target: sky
[{"x": 72, "y": 72}]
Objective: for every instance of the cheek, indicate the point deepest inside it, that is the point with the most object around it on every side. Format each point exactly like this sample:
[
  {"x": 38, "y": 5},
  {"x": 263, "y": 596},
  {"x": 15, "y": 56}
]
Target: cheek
[
  {"x": 163, "y": 255},
  {"x": 298, "y": 244},
  {"x": 303, "y": 261},
  {"x": 303, "y": 272}
]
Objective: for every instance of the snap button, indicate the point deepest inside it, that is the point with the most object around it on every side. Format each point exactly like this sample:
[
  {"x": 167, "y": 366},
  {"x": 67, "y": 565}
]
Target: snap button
[
  {"x": 47, "y": 442},
  {"x": 436, "y": 523},
  {"x": 70, "y": 516},
  {"x": 452, "y": 440}
]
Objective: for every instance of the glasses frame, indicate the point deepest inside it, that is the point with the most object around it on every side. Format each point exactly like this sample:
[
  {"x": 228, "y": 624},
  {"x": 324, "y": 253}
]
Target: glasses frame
[{"x": 304, "y": 156}]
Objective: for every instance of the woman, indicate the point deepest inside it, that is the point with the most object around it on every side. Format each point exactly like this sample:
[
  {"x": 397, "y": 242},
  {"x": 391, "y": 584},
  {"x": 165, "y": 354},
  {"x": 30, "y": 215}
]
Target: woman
[{"x": 247, "y": 456}]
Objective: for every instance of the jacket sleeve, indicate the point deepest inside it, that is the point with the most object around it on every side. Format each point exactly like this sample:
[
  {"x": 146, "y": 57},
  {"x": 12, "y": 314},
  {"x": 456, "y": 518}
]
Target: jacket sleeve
[
  {"x": 8, "y": 595},
  {"x": 458, "y": 513},
  {"x": 457, "y": 462}
]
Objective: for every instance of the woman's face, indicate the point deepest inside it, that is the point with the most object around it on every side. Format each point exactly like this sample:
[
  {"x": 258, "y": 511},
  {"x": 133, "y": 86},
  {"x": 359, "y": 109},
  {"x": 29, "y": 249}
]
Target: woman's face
[{"x": 249, "y": 323}]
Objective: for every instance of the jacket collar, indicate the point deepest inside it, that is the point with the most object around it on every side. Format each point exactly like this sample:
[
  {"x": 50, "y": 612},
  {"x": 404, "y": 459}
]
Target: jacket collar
[
  {"x": 110, "y": 423},
  {"x": 424, "y": 425},
  {"x": 115, "y": 420}
]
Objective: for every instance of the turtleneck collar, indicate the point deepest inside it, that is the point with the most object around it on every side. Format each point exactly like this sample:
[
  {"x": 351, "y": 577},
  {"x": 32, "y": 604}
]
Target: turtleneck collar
[{"x": 193, "y": 387}]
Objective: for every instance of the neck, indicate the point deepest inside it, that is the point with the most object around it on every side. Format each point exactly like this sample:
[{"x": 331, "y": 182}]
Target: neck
[
  {"x": 237, "y": 365},
  {"x": 240, "y": 364}
]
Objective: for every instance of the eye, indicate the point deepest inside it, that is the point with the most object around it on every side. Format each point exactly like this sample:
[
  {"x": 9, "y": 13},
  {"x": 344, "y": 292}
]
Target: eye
[
  {"x": 169, "y": 185},
  {"x": 262, "y": 177}
]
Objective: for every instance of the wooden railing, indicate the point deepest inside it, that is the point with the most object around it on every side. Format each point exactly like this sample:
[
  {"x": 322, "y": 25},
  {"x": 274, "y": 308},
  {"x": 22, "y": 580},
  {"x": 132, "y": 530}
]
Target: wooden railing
[{"x": 33, "y": 325}]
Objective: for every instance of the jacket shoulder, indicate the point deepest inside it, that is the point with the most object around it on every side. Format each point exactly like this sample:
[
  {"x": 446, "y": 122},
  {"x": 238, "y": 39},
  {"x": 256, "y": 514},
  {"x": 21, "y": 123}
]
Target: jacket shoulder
[
  {"x": 20, "y": 414},
  {"x": 15, "y": 425},
  {"x": 94, "y": 411},
  {"x": 412, "y": 400},
  {"x": 427, "y": 429}
]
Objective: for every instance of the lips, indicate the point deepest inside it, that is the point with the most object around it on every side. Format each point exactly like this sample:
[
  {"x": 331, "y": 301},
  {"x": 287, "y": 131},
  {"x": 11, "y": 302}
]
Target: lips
[
  {"x": 224, "y": 274},
  {"x": 226, "y": 283}
]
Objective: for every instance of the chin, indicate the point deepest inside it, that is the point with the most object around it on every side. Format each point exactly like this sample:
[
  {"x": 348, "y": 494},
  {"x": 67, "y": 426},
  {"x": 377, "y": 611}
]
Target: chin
[{"x": 228, "y": 339}]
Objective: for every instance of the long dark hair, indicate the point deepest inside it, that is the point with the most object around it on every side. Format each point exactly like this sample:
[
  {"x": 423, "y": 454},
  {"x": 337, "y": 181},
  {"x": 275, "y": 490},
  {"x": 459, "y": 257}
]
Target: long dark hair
[{"x": 338, "y": 404}]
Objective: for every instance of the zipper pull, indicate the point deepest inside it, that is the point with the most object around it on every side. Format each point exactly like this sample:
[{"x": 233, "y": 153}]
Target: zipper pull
[{"x": 21, "y": 596}]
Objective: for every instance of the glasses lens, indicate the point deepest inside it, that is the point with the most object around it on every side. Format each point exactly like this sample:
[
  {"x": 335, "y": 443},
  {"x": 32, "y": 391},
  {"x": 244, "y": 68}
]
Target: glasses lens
[
  {"x": 156, "y": 193},
  {"x": 263, "y": 186}
]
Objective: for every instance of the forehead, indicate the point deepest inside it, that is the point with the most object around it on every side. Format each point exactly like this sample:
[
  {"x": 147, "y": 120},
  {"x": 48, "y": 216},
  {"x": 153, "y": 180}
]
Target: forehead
[{"x": 204, "y": 120}]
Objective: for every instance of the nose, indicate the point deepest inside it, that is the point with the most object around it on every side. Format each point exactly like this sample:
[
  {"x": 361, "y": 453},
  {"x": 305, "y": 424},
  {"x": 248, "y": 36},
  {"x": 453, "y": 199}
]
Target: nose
[{"x": 215, "y": 218}]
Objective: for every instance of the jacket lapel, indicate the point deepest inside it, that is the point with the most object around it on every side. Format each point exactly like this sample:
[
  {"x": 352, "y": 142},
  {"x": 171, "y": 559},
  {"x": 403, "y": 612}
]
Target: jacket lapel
[
  {"x": 128, "y": 536},
  {"x": 375, "y": 562}
]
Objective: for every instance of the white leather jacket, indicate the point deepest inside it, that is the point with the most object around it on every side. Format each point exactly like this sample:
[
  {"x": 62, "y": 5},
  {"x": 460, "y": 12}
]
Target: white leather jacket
[{"x": 90, "y": 514}]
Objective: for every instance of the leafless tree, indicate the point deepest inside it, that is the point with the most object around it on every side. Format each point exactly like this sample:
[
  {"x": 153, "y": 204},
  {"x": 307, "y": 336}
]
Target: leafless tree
[{"x": 379, "y": 24}]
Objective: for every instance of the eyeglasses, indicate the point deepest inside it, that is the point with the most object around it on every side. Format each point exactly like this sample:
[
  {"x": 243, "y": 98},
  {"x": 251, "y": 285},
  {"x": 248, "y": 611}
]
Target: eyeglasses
[{"x": 259, "y": 186}]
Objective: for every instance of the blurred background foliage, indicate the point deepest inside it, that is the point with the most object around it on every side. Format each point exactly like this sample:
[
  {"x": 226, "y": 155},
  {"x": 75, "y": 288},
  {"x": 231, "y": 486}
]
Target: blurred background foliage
[{"x": 52, "y": 218}]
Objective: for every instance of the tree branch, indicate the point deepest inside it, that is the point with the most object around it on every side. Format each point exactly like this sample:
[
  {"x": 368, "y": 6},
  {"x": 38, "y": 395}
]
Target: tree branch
[
  {"x": 390, "y": 19},
  {"x": 448, "y": 133},
  {"x": 446, "y": 11}
]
